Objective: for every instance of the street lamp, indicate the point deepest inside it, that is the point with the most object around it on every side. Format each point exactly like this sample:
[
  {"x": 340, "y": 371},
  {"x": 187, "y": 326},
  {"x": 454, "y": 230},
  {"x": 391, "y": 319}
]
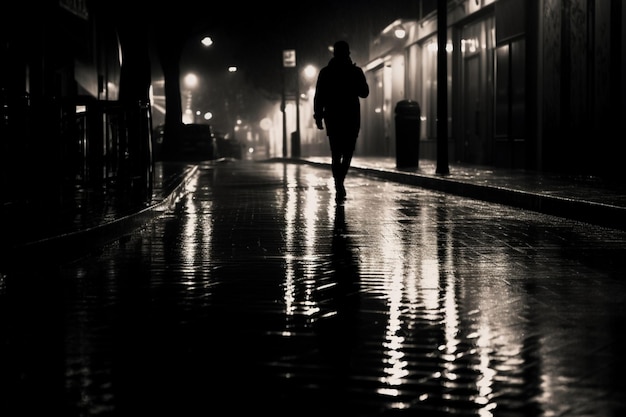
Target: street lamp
[{"x": 289, "y": 64}]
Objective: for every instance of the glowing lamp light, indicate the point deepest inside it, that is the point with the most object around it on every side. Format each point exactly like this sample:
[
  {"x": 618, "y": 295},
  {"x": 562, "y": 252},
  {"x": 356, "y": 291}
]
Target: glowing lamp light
[
  {"x": 399, "y": 32},
  {"x": 191, "y": 80},
  {"x": 266, "y": 123},
  {"x": 310, "y": 71}
]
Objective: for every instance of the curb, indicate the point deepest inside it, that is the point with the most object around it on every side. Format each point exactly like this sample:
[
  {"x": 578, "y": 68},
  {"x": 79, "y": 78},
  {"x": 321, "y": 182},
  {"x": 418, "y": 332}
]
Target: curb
[{"x": 78, "y": 243}]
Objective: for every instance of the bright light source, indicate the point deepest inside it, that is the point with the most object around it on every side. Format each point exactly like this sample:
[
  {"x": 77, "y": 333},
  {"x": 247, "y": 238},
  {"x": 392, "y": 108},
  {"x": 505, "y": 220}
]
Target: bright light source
[
  {"x": 310, "y": 71},
  {"x": 208, "y": 115},
  {"x": 191, "y": 80},
  {"x": 207, "y": 41},
  {"x": 400, "y": 32},
  {"x": 232, "y": 68}
]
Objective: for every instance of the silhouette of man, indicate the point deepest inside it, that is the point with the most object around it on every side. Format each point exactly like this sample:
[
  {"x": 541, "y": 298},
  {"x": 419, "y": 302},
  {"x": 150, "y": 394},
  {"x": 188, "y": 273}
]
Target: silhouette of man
[{"x": 339, "y": 86}]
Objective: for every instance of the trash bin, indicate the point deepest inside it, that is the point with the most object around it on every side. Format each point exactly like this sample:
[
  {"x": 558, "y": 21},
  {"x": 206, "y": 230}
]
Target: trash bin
[
  {"x": 407, "y": 134},
  {"x": 295, "y": 144}
]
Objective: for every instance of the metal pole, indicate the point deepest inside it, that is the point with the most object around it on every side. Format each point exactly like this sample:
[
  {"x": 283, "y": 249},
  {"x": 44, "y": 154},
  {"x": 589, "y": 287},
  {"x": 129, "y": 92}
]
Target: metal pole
[
  {"x": 442, "y": 88},
  {"x": 282, "y": 109},
  {"x": 295, "y": 151}
]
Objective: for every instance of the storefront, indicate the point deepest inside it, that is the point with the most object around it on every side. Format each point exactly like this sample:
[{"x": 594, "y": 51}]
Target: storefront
[
  {"x": 406, "y": 69},
  {"x": 530, "y": 84}
]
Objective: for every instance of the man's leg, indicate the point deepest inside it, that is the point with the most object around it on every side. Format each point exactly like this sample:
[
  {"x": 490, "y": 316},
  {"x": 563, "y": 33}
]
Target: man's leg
[
  {"x": 345, "y": 163},
  {"x": 347, "y": 150},
  {"x": 339, "y": 174},
  {"x": 337, "y": 167}
]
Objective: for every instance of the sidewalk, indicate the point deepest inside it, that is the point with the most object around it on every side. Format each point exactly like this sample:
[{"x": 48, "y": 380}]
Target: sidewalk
[
  {"x": 95, "y": 218},
  {"x": 587, "y": 199}
]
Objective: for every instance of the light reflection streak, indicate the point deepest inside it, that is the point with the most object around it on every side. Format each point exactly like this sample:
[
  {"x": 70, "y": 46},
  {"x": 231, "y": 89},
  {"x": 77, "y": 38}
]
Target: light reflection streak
[
  {"x": 290, "y": 219},
  {"x": 494, "y": 332},
  {"x": 394, "y": 343},
  {"x": 394, "y": 368},
  {"x": 450, "y": 303},
  {"x": 310, "y": 232},
  {"x": 197, "y": 234},
  {"x": 418, "y": 271},
  {"x": 429, "y": 284},
  {"x": 483, "y": 337},
  {"x": 487, "y": 374},
  {"x": 188, "y": 247},
  {"x": 293, "y": 236}
]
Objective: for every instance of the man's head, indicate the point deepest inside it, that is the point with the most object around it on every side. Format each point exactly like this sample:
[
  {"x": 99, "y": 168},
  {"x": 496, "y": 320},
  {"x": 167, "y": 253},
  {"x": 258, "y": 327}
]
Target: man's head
[{"x": 341, "y": 49}]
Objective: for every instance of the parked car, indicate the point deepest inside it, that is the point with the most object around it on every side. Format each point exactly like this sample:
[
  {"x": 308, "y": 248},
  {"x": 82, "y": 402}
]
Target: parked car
[
  {"x": 228, "y": 147},
  {"x": 194, "y": 142},
  {"x": 197, "y": 142}
]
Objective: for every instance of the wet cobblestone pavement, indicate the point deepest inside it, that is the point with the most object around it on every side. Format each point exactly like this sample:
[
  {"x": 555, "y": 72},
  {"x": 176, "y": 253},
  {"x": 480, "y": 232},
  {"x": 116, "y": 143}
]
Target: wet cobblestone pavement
[{"x": 257, "y": 293}]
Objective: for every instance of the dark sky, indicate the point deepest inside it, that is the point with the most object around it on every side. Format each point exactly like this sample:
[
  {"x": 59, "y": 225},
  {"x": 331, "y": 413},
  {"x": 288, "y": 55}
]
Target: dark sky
[{"x": 253, "y": 36}]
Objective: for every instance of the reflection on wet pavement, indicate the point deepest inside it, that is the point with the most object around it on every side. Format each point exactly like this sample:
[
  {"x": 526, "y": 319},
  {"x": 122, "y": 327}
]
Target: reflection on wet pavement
[{"x": 257, "y": 293}]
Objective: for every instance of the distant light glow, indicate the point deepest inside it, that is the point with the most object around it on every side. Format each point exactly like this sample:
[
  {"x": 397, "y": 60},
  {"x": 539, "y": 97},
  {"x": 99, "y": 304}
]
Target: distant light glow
[
  {"x": 207, "y": 41},
  {"x": 399, "y": 32},
  {"x": 310, "y": 71},
  {"x": 232, "y": 68},
  {"x": 266, "y": 123},
  {"x": 191, "y": 80},
  {"x": 433, "y": 47},
  {"x": 188, "y": 116}
]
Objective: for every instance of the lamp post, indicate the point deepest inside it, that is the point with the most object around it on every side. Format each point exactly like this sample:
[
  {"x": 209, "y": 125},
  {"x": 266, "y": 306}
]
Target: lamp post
[
  {"x": 442, "y": 89},
  {"x": 295, "y": 145},
  {"x": 232, "y": 100}
]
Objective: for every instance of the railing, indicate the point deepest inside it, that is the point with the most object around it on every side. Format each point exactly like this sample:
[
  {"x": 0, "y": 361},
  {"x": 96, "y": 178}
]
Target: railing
[
  {"x": 51, "y": 148},
  {"x": 113, "y": 146}
]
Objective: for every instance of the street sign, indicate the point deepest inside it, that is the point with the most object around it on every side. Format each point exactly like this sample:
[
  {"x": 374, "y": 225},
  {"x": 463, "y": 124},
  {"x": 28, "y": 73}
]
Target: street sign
[{"x": 289, "y": 58}]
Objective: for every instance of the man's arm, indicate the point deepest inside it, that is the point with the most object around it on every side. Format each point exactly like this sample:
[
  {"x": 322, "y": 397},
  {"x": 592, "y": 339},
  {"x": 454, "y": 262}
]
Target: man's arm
[
  {"x": 363, "y": 89},
  {"x": 318, "y": 102}
]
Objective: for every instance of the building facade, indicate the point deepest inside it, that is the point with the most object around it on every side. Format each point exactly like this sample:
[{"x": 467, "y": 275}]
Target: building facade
[
  {"x": 536, "y": 84},
  {"x": 63, "y": 125}
]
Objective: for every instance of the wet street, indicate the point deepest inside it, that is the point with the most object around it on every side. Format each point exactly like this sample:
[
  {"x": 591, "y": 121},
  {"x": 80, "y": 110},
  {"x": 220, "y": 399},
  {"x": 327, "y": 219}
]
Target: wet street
[{"x": 258, "y": 293}]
